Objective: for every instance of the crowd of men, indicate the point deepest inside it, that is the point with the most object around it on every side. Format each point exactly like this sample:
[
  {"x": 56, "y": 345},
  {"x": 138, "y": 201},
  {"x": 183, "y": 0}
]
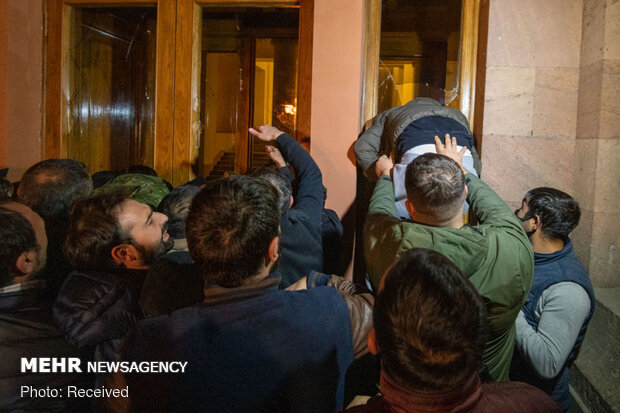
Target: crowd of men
[{"x": 468, "y": 306}]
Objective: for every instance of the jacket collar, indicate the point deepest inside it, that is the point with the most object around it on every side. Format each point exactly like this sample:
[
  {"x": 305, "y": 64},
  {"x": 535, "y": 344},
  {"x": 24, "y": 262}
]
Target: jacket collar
[
  {"x": 548, "y": 258},
  {"x": 402, "y": 399},
  {"x": 215, "y": 295}
]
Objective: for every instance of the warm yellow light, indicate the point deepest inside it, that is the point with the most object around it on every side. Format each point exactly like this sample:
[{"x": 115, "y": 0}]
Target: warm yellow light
[{"x": 290, "y": 109}]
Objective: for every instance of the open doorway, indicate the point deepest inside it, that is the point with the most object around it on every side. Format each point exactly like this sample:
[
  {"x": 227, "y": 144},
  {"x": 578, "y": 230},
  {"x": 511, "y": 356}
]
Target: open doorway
[{"x": 249, "y": 76}]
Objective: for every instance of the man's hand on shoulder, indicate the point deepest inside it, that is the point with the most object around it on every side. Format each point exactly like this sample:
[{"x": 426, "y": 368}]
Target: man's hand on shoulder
[
  {"x": 450, "y": 150},
  {"x": 266, "y": 133},
  {"x": 384, "y": 166}
]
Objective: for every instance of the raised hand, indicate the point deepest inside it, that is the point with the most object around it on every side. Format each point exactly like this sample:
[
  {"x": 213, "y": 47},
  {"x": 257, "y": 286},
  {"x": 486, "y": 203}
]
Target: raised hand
[
  {"x": 275, "y": 155},
  {"x": 266, "y": 133},
  {"x": 449, "y": 149}
]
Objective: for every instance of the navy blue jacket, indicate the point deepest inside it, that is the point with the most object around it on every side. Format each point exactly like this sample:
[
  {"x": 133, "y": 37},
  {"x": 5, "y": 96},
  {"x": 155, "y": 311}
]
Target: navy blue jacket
[
  {"x": 253, "y": 348},
  {"x": 302, "y": 247},
  {"x": 549, "y": 269}
]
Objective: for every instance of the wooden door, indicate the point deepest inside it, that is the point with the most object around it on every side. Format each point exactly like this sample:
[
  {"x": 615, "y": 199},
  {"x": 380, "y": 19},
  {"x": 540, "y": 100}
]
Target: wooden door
[
  {"x": 110, "y": 120},
  {"x": 109, "y": 83},
  {"x": 155, "y": 114}
]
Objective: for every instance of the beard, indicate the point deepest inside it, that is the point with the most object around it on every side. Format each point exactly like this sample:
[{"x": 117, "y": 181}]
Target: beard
[{"x": 151, "y": 255}]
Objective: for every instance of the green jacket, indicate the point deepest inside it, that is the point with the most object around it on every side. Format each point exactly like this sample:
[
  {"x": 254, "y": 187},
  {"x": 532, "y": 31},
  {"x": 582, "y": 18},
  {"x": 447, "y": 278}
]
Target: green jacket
[{"x": 496, "y": 256}]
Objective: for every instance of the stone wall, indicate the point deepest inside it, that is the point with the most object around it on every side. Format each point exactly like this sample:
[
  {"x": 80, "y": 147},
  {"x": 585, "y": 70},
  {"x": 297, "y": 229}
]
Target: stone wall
[
  {"x": 597, "y": 154},
  {"x": 550, "y": 117}
]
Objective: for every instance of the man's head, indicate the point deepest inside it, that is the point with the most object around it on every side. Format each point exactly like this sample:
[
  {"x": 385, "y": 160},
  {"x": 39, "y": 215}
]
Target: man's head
[
  {"x": 232, "y": 229},
  {"x": 111, "y": 230},
  {"x": 429, "y": 323},
  {"x": 435, "y": 187},
  {"x": 282, "y": 185},
  {"x": 175, "y": 206},
  {"x": 51, "y": 186},
  {"x": 553, "y": 212},
  {"x": 23, "y": 243}
]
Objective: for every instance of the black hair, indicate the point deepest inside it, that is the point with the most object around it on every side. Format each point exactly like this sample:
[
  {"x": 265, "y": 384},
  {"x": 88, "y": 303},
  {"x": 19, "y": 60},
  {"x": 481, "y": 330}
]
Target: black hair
[
  {"x": 430, "y": 322},
  {"x": 50, "y": 187},
  {"x": 559, "y": 213},
  {"x": 435, "y": 184},
  {"x": 230, "y": 226},
  {"x": 282, "y": 185},
  {"x": 94, "y": 231},
  {"x": 139, "y": 169},
  {"x": 176, "y": 206},
  {"x": 6, "y": 188},
  {"x": 102, "y": 177},
  {"x": 16, "y": 237}
]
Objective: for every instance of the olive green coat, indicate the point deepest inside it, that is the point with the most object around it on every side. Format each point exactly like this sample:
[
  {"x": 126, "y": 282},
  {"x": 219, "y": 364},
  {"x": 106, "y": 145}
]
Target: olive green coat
[{"x": 496, "y": 256}]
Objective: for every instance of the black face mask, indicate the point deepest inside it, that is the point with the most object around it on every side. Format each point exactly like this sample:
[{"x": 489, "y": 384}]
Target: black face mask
[{"x": 525, "y": 218}]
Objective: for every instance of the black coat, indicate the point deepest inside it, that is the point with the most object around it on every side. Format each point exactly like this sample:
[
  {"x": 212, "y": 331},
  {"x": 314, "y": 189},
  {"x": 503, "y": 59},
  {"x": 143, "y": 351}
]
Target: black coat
[
  {"x": 97, "y": 309},
  {"x": 27, "y": 330}
]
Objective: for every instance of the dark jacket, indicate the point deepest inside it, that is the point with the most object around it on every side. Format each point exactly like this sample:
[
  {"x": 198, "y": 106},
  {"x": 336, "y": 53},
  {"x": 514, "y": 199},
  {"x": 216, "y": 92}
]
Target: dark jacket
[
  {"x": 170, "y": 286},
  {"x": 388, "y": 126},
  {"x": 27, "y": 330},
  {"x": 550, "y": 269},
  {"x": 252, "y": 348},
  {"x": 302, "y": 247},
  {"x": 97, "y": 309}
]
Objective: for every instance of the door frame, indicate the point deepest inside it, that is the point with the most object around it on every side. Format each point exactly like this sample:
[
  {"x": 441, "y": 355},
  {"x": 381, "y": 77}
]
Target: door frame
[{"x": 177, "y": 77}]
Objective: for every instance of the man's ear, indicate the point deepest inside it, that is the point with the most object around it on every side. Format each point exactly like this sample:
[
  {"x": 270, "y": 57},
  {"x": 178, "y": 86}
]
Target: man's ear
[
  {"x": 537, "y": 222},
  {"x": 466, "y": 191},
  {"x": 410, "y": 208},
  {"x": 127, "y": 255},
  {"x": 290, "y": 202},
  {"x": 372, "y": 342},
  {"x": 272, "y": 252},
  {"x": 26, "y": 263}
]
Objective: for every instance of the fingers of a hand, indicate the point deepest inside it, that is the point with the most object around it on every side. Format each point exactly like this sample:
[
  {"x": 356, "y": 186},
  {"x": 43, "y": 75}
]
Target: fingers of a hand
[
  {"x": 447, "y": 138},
  {"x": 462, "y": 151},
  {"x": 438, "y": 145},
  {"x": 254, "y": 131}
]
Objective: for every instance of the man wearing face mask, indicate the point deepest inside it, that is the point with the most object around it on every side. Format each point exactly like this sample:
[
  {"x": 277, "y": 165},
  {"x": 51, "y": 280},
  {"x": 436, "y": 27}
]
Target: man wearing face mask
[
  {"x": 552, "y": 324},
  {"x": 112, "y": 241}
]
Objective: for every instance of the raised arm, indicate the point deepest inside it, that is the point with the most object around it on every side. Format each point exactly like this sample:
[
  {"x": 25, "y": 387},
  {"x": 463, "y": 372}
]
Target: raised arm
[
  {"x": 486, "y": 204},
  {"x": 309, "y": 197}
]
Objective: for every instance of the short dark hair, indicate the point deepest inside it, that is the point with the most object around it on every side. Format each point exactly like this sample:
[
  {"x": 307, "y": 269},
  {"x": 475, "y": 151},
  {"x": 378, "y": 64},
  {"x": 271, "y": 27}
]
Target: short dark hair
[
  {"x": 176, "y": 206},
  {"x": 94, "y": 230},
  {"x": 430, "y": 322},
  {"x": 559, "y": 213},
  {"x": 282, "y": 184},
  {"x": 6, "y": 188},
  {"x": 102, "y": 177},
  {"x": 230, "y": 226},
  {"x": 16, "y": 236},
  {"x": 50, "y": 187},
  {"x": 435, "y": 185},
  {"x": 139, "y": 169}
]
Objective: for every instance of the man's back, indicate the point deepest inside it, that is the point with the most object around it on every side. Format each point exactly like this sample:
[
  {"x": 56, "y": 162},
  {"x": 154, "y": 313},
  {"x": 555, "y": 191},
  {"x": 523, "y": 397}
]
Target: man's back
[
  {"x": 248, "y": 349},
  {"x": 496, "y": 256}
]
